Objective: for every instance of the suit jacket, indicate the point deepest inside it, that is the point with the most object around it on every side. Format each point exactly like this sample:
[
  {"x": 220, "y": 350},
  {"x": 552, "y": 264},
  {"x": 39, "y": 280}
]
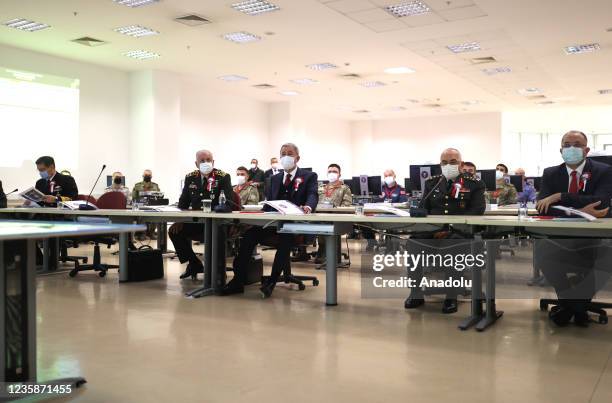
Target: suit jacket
[
  {"x": 269, "y": 172},
  {"x": 63, "y": 187},
  {"x": 598, "y": 186},
  {"x": 2, "y": 197},
  {"x": 303, "y": 191}
]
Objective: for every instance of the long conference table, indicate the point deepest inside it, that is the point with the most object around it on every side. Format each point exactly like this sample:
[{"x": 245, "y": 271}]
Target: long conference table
[{"x": 489, "y": 227}]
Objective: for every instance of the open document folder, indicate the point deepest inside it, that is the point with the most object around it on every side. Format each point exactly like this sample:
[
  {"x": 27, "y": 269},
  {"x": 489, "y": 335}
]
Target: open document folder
[
  {"x": 283, "y": 207},
  {"x": 387, "y": 208},
  {"x": 572, "y": 211}
]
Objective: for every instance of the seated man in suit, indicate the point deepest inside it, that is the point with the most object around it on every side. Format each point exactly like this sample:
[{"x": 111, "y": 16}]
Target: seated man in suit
[
  {"x": 582, "y": 184},
  {"x": 55, "y": 186},
  {"x": 204, "y": 183},
  {"x": 2, "y": 197},
  {"x": 452, "y": 193},
  {"x": 295, "y": 185}
]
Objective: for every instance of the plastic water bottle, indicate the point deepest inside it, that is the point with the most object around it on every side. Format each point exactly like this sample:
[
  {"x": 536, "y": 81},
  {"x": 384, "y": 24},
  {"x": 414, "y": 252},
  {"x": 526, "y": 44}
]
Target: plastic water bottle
[
  {"x": 523, "y": 213},
  {"x": 222, "y": 199}
]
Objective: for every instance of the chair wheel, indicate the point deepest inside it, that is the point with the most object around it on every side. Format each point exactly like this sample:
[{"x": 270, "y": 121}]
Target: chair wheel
[
  {"x": 85, "y": 261},
  {"x": 315, "y": 282},
  {"x": 301, "y": 287},
  {"x": 543, "y": 306},
  {"x": 102, "y": 273},
  {"x": 72, "y": 273},
  {"x": 603, "y": 320}
]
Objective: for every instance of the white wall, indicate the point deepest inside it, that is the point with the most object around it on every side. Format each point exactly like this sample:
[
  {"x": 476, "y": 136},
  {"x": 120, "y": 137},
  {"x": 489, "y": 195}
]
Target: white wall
[
  {"x": 103, "y": 115},
  {"x": 399, "y": 143}
]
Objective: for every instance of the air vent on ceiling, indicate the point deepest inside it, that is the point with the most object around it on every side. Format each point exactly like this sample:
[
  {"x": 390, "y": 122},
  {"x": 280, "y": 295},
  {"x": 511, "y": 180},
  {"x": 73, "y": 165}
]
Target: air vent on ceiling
[
  {"x": 432, "y": 105},
  {"x": 192, "y": 20},
  {"x": 362, "y": 111},
  {"x": 88, "y": 41},
  {"x": 483, "y": 60},
  {"x": 264, "y": 86},
  {"x": 350, "y": 76},
  {"x": 535, "y": 97}
]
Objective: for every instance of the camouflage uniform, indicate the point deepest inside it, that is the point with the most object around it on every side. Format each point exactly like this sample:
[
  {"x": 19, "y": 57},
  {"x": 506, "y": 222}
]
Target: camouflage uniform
[
  {"x": 144, "y": 187},
  {"x": 506, "y": 194},
  {"x": 339, "y": 194},
  {"x": 249, "y": 194}
]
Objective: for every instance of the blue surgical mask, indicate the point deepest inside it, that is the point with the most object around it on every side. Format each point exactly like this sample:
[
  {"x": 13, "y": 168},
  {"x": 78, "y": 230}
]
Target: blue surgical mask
[
  {"x": 572, "y": 155},
  {"x": 44, "y": 174}
]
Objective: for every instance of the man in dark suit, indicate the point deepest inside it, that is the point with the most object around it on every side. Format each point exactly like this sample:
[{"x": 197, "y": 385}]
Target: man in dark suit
[
  {"x": 204, "y": 183},
  {"x": 295, "y": 185},
  {"x": 55, "y": 186},
  {"x": 274, "y": 168},
  {"x": 568, "y": 263},
  {"x": 2, "y": 197},
  {"x": 257, "y": 177}
]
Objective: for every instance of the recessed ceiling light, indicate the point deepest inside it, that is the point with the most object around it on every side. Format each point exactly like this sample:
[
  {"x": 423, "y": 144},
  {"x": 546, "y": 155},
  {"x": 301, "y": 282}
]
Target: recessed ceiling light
[
  {"x": 232, "y": 78},
  {"x": 496, "y": 70},
  {"x": 529, "y": 91},
  {"x": 408, "y": 8},
  {"x": 254, "y": 7},
  {"x": 135, "y": 3},
  {"x": 136, "y": 31},
  {"x": 264, "y": 86},
  {"x": 605, "y": 92},
  {"x": 464, "y": 47},
  {"x": 24, "y": 75},
  {"x": 322, "y": 66},
  {"x": 372, "y": 84},
  {"x": 482, "y": 60},
  {"x": 141, "y": 54},
  {"x": 399, "y": 70},
  {"x": 304, "y": 81},
  {"x": 289, "y": 93},
  {"x": 241, "y": 37},
  {"x": 577, "y": 49},
  {"x": 26, "y": 25}
]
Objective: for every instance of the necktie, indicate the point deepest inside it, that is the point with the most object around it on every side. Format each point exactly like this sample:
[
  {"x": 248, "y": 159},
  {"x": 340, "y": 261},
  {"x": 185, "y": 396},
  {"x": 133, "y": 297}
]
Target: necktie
[
  {"x": 287, "y": 180},
  {"x": 573, "y": 188}
]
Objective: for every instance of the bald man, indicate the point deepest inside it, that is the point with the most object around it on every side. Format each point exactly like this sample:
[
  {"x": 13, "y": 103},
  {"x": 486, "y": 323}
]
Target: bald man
[
  {"x": 206, "y": 182},
  {"x": 391, "y": 190},
  {"x": 452, "y": 193}
]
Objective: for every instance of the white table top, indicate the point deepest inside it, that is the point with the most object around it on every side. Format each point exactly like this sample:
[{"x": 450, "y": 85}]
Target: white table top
[{"x": 18, "y": 229}]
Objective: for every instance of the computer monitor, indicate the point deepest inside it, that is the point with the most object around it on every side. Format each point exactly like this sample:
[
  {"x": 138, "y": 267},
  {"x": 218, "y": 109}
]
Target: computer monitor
[
  {"x": 349, "y": 183},
  {"x": 488, "y": 177},
  {"x": 374, "y": 185},
  {"x": 355, "y": 187},
  {"x": 535, "y": 181},
  {"x": 517, "y": 181},
  {"x": 109, "y": 180},
  {"x": 420, "y": 173},
  {"x": 307, "y": 169},
  {"x": 407, "y": 186},
  {"x": 606, "y": 159}
]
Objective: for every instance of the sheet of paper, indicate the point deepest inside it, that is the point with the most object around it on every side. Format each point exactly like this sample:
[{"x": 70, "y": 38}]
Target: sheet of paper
[
  {"x": 74, "y": 204},
  {"x": 573, "y": 211},
  {"x": 32, "y": 194},
  {"x": 163, "y": 209},
  {"x": 387, "y": 208},
  {"x": 284, "y": 207}
]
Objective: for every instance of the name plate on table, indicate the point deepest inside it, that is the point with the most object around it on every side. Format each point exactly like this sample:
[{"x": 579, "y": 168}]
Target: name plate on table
[{"x": 307, "y": 229}]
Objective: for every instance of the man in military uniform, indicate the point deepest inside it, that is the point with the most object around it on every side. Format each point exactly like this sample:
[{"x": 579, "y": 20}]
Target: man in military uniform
[
  {"x": 337, "y": 194},
  {"x": 204, "y": 183},
  {"x": 145, "y": 186},
  {"x": 55, "y": 186},
  {"x": 257, "y": 177},
  {"x": 118, "y": 186},
  {"x": 505, "y": 192},
  {"x": 245, "y": 189},
  {"x": 452, "y": 193}
]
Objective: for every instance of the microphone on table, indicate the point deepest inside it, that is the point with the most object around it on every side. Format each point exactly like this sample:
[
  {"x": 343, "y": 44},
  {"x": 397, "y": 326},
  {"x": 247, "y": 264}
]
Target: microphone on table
[
  {"x": 86, "y": 206},
  {"x": 10, "y": 193},
  {"x": 420, "y": 211}
]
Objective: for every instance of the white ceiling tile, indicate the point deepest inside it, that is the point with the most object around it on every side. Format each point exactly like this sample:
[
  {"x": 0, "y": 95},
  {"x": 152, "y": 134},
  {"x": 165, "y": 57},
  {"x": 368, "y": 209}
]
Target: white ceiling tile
[
  {"x": 376, "y": 14},
  {"x": 351, "y": 6},
  {"x": 462, "y": 13},
  {"x": 448, "y": 4},
  {"x": 386, "y": 26},
  {"x": 422, "y": 20}
]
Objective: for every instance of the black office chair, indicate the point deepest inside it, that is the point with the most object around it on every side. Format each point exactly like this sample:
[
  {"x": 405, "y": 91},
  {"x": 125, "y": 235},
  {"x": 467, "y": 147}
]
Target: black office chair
[
  {"x": 64, "y": 257},
  {"x": 287, "y": 277},
  {"x": 97, "y": 264}
]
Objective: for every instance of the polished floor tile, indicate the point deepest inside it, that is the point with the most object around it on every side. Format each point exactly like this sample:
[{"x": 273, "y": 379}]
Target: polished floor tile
[{"x": 146, "y": 342}]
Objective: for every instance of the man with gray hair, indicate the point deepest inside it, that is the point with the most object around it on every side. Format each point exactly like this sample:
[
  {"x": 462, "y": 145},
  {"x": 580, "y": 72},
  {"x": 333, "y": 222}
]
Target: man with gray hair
[
  {"x": 204, "y": 183},
  {"x": 295, "y": 185}
]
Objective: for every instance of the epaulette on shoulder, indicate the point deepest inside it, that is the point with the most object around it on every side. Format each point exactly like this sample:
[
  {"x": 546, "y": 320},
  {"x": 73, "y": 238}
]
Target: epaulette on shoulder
[
  {"x": 193, "y": 173},
  {"x": 433, "y": 177},
  {"x": 220, "y": 173},
  {"x": 471, "y": 177}
]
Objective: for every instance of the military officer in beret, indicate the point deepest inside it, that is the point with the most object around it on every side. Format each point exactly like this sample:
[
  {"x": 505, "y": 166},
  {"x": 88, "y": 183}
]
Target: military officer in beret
[
  {"x": 204, "y": 183},
  {"x": 248, "y": 192},
  {"x": 452, "y": 193}
]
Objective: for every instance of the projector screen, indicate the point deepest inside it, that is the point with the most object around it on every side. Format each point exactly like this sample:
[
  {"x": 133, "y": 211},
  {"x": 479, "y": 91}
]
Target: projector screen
[{"x": 39, "y": 115}]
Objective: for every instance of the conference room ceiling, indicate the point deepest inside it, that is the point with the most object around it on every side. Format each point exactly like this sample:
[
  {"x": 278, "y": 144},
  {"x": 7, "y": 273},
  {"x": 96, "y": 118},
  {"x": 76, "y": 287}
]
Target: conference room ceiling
[{"x": 507, "y": 54}]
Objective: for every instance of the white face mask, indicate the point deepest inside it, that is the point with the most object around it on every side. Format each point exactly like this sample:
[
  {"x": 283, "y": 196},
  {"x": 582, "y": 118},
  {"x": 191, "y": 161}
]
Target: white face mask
[
  {"x": 332, "y": 177},
  {"x": 389, "y": 180},
  {"x": 241, "y": 180},
  {"x": 450, "y": 172},
  {"x": 253, "y": 166},
  {"x": 288, "y": 162},
  {"x": 206, "y": 167},
  {"x": 275, "y": 165},
  {"x": 498, "y": 174}
]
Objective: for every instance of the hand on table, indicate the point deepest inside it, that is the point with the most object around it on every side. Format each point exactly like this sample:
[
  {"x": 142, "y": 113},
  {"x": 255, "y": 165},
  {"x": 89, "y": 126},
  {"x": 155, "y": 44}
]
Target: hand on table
[
  {"x": 307, "y": 209},
  {"x": 590, "y": 209},
  {"x": 544, "y": 204},
  {"x": 49, "y": 199}
]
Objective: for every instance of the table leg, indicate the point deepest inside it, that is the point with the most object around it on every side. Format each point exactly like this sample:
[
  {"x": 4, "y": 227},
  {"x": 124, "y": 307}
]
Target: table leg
[
  {"x": 123, "y": 257},
  {"x": 3, "y": 296},
  {"x": 46, "y": 255},
  {"x": 209, "y": 252},
  {"x": 491, "y": 314},
  {"x": 331, "y": 275},
  {"x": 476, "y": 313}
]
